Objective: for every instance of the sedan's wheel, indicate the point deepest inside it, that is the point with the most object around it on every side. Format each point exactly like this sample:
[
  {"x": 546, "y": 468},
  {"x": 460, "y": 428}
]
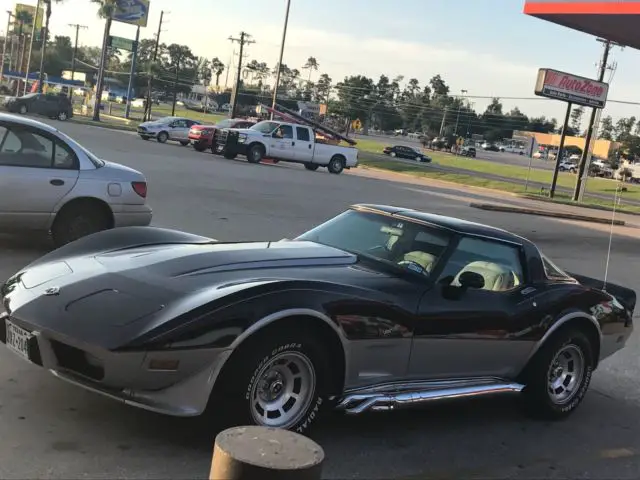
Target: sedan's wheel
[
  {"x": 162, "y": 137},
  {"x": 274, "y": 383},
  {"x": 559, "y": 376},
  {"x": 77, "y": 221},
  {"x": 23, "y": 109},
  {"x": 393, "y": 154},
  {"x": 311, "y": 166},
  {"x": 336, "y": 165},
  {"x": 62, "y": 116}
]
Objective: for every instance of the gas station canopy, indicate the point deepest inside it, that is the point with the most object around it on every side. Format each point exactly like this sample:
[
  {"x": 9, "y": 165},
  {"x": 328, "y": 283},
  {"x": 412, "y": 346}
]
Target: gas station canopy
[{"x": 615, "y": 20}]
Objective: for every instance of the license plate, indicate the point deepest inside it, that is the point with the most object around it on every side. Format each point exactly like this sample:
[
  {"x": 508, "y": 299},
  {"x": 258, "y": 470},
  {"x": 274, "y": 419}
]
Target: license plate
[{"x": 18, "y": 339}]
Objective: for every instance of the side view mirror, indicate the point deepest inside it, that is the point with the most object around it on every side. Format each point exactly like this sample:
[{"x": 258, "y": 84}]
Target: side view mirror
[{"x": 471, "y": 280}]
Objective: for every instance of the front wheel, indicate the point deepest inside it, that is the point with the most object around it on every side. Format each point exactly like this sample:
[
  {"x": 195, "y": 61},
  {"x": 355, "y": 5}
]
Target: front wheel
[
  {"x": 23, "y": 109},
  {"x": 162, "y": 137},
  {"x": 255, "y": 154},
  {"x": 559, "y": 376},
  {"x": 278, "y": 381},
  {"x": 336, "y": 165}
]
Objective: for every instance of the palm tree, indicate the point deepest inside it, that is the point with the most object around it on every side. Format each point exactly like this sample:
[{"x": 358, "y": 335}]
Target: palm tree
[
  {"x": 22, "y": 19},
  {"x": 218, "y": 69},
  {"x": 311, "y": 65},
  {"x": 105, "y": 10}
]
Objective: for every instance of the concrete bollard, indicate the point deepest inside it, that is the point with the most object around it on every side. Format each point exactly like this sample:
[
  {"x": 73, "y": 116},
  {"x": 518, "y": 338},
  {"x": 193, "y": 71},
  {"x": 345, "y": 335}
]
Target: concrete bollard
[{"x": 260, "y": 453}]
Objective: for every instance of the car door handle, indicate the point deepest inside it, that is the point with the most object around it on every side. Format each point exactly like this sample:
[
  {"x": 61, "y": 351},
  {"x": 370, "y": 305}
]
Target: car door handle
[
  {"x": 293, "y": 144},
  {"x": 57, "y": 182},
  {"x": 309, "y": 146}
]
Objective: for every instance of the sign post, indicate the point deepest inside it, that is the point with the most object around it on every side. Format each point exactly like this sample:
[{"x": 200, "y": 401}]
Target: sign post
[
  {"x": 134, "y": 58},
  {"x": 576, "y": 90}
]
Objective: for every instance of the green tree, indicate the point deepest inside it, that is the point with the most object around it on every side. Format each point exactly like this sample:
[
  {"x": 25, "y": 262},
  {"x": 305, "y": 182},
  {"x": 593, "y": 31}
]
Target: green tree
[
  {"x": 311, "y": 65},
  {"x": 217, "y": 66},
  {"x": 576, "y": 118},
  {"x": 606, "y": 130}
]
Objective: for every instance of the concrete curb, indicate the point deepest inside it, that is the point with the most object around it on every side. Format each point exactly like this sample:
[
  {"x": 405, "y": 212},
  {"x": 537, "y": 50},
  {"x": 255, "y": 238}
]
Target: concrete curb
[
  {"x": 579, "y": 205},
  {"x": 545, "y": 213}
]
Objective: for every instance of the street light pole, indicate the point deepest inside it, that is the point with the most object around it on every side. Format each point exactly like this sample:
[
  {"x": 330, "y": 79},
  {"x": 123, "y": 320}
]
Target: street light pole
[
  {"x": 4, "y": 47},
  {"x": 284, "y": 37},
  {"x": 33, "y": 34}
]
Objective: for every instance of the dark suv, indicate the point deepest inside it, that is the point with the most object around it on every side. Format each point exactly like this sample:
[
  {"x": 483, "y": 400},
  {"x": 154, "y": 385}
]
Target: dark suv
[{"x": 52, "y": 106}]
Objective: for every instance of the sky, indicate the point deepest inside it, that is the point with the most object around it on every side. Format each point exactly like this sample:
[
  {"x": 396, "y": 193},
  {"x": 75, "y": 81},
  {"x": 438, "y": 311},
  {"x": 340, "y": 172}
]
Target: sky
[{"x": 489, "y": 47}]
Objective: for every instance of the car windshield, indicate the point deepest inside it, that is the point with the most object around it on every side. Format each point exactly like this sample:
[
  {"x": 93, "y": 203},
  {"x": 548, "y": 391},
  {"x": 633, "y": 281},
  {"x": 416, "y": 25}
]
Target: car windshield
[
  {"x": 384, "y": 239},
  {"x": 165, "y": 119},
  {"x": 265, "y": 127}
]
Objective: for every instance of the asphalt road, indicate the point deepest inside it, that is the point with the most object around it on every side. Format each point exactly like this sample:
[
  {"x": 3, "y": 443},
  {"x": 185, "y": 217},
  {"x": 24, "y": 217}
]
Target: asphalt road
[{"x": 54, "y": 430}]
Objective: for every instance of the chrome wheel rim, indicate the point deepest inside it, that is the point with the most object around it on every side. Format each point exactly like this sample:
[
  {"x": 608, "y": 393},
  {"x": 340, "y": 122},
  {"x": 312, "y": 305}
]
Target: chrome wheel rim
[
  {"x": 283, "y": 390},
  {"x": 256, "y": 154},
  {"x": 565, "y": 374}
]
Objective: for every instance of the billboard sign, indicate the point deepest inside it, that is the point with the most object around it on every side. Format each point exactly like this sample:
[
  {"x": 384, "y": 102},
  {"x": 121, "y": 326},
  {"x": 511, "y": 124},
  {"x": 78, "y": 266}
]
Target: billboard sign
[
  {"x": 133, "y": 12},
  {"x": 31, "y": 10},
  {"x": 571, "y": 88}
]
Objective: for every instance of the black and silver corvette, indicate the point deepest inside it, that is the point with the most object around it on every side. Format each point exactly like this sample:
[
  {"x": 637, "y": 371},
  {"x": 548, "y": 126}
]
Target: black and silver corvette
[{"x": 378, "y": 308}]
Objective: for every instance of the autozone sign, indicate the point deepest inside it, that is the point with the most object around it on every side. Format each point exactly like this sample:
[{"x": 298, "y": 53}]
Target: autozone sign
[{"x": 571, "y": 88}]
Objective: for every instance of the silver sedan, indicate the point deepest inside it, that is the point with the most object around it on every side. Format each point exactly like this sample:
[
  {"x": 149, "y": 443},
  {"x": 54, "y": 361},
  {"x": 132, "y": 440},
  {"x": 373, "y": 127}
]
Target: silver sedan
[
  {"x": 167, "y": 128},
  {"x": 51, "y": 183}
]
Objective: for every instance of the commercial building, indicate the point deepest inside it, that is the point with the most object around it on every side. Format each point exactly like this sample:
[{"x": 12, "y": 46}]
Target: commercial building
[
  {"x": 615, "y": 20},
  {"x": 601, "y": 148}
]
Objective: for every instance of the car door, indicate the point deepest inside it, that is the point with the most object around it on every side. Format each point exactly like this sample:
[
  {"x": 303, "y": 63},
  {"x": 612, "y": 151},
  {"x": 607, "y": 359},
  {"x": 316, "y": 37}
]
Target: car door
[
  {"x": 282, "y": 143},
  {"x": 178, "y": 130},
  {"x": 37, "y": 171},
  {"x": 303, "y": 144},
  {"x": 37, "y": 104},
  {"x": 475, "y": 332}
]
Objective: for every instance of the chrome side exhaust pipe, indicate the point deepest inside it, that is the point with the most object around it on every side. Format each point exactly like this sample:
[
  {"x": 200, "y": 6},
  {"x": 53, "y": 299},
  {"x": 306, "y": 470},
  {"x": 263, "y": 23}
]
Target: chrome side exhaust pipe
[{"x": 361, "y": 402}]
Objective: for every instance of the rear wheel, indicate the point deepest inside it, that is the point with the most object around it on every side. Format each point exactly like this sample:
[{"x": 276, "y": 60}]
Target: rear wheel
[
  {"x": 62, "y": 116},
  {"x": 559, "y": 375},
  {"x": 162, "y": 137},
  {"x": 78, "y": 220},
  {"x": 23, "y": 109},
  {"x": 336, "y": 165},
  {"x": 311, "y": 166},
  {"x": 278, "y": 380}
]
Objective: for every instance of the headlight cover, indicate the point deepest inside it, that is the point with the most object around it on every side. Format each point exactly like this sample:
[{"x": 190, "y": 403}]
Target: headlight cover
[{"x": 242, "y": 138}]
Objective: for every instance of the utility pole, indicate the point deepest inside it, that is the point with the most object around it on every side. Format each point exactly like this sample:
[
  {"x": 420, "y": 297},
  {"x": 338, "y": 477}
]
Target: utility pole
[
  {"x": 75, "y": 53},
  {"x": 594, "y": 111},
  {"x": 4, "y": 47},
  {"x": 284, "y": 37},
  {"x": 458, "y": 116},
  {"x": 147, "y": 109},
  {"x": 134, "y": 61},
  {"x": 33, "y": 34},
  {"x": 243, "y": 40},
  {"x": 444, "y": 119}
]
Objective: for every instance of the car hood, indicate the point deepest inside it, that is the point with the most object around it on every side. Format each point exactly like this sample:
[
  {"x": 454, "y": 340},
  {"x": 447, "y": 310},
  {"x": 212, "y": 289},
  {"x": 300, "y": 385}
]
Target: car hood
[{"x": 109, "y": 297}]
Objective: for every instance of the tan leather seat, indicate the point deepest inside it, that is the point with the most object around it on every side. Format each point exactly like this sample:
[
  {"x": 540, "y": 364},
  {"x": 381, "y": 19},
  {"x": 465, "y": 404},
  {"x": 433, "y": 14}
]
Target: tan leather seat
[
  {"x": 425, "y": 260},
  {"x": 497, "y": 278}
]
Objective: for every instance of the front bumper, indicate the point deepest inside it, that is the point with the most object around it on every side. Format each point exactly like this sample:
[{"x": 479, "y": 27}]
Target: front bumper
[{"x": 127, "y": 377}]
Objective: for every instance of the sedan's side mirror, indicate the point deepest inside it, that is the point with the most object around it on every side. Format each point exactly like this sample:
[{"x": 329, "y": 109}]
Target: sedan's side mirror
[{"x": 471, "y": 280}]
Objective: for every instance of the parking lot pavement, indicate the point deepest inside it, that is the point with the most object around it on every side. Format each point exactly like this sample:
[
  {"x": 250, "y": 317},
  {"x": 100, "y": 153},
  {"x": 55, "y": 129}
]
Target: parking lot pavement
[{"x": 54, "y": 430}]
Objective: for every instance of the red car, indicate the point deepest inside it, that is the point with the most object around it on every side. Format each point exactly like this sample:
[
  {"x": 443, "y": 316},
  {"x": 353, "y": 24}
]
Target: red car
[{"x": 201, "y": 136}]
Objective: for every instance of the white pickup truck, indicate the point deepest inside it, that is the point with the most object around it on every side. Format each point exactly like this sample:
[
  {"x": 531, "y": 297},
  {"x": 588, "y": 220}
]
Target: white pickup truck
[{"x": 289, "y": 142}]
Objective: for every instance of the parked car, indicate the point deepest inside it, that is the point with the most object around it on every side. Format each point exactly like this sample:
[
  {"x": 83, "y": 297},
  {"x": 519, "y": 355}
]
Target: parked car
[
  {"x": 201, "y": 136},
  {"x": 491, "y": 147},
  {"x": 51, "y": 183},
  {"x": 468, "y": 152},
  {"x": 568, "y": 166},
  {"x": 274, "y": 333},
  {"x": 289, "y": 142},
  {"x": 48, "y": 105},
  {"x": 402, "y": 151},
  {"x": 167, "y": 128}
]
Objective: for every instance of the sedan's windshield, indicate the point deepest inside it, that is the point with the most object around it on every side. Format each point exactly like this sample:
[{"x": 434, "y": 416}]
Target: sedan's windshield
[
  {"x": 407, "y": 245},
  {"x": 265, "y": 127}
]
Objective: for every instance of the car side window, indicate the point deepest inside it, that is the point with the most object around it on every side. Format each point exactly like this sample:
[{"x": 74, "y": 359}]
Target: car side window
[
  {"x": 499, "y": 264},
  {"x": 303, "y": 134},
  {"x": 24, "y": 148},
  {"x": 180, "y": 124},
  {"x": 64, "y": 158},
  {"x": 286, "y": 131}
]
